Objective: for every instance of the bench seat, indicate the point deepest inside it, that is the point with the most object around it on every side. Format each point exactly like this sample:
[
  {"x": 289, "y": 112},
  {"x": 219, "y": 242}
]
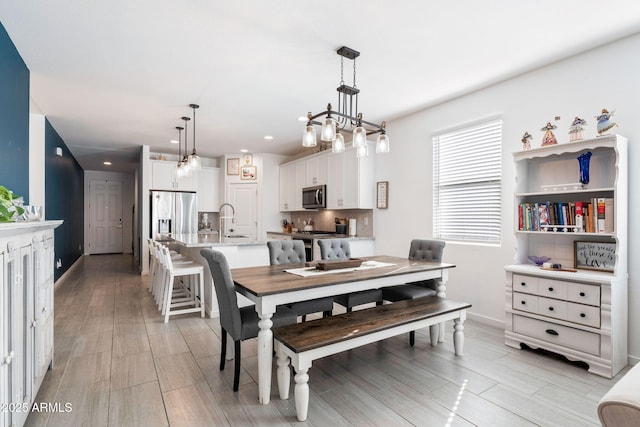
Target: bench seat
[{"x": 302, "y": 343}]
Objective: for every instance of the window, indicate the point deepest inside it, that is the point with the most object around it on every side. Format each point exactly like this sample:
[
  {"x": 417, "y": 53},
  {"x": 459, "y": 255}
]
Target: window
[{"x": 467, "y": 181}]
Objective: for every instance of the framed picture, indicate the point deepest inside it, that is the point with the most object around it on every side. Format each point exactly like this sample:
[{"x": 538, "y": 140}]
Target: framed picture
[
  {"x": 233, "y": 166},
  {"x": 247, "y": 159},
  {"x": 599, "y": 256},
  {"x": 382, "y": 195},
  {"x": 248, "y": 173}
]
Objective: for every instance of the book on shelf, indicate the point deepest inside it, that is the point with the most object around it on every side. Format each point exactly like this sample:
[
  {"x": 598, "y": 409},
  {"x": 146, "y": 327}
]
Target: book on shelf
[{"x": 590, "y": 216}]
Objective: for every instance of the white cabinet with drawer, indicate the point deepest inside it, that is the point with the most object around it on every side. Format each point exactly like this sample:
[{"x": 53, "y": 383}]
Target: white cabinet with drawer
[{"x": 581, "y": 314}]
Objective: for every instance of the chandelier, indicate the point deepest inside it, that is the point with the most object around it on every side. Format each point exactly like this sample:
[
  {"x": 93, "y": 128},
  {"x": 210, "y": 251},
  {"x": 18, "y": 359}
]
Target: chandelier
[
  {"x": 347, "y": 114},
  {"x": 187, "y": 163}
]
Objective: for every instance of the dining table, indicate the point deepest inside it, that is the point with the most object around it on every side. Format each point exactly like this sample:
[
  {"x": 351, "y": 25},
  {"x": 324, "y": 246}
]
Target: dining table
[{"x": 273, "y": 285}]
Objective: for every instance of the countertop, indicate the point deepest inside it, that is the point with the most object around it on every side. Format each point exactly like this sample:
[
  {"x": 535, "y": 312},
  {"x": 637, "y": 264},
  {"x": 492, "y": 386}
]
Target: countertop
[
  {"x": 207, "y": 240},
  {"x": 311, "y": 235}
]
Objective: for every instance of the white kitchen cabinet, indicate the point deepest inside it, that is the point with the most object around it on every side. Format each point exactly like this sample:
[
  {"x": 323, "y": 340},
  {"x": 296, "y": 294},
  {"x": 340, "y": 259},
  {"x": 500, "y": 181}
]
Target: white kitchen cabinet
[
  {"x": 26, "y": 319},
  {"x": 315, "y": 170},
  {"x": 349, "y": 181},
  {"x": 163, "y": 177},
  {"x": 209, "y": 189},
  {"x": 581, "y": 315},
  {"x": 292, "y": 177}
]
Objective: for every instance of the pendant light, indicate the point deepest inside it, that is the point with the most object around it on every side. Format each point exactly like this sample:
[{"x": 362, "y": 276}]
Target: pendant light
[
  {"x": 359, "y": 133},
  {"x": 195, "y": 163},
  {"x": 186, "y": 167},
  {"x": 309, "y": 134},
  {"x": 382, "y": 144},
  {"x": 179, "y": 172},
  {"x": 328, "y": 132},
  {"x": 337, "y": 146}
]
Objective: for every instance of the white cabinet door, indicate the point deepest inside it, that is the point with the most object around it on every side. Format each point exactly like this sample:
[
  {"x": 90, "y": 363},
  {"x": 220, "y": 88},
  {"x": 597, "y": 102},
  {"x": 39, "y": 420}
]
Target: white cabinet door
[
  {"x": 209, "y": 189},
  {"x": 349, "y": 181},
  {"x": 316, "y": 170},
  {"x": 335, "y": 179},
  {"x": 287, "y": 175},
  {"x": 163, "y": 177}
]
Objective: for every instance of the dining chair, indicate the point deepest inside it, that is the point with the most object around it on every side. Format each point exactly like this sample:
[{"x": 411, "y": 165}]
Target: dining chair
[
  {"x": 422, "y": 250},
  {"x": 240, "y": 323},
  {"x": 282, "y": 252},
  {"x": 332, "y": 249}
]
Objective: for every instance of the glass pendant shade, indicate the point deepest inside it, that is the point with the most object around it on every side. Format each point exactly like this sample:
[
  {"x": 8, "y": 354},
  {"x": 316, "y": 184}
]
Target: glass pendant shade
[
  {"x": 195, "y": 164},
  {"x": 359, "y": 137},
  {"x": 382, "y": 144},
  {"x": 328, "y": 130},
  {"x": 363, "y": 150},
  {"x": 309, "y": 136},
  {"x": 186, "y": 168},
  {"x": 338, "y": 144}
]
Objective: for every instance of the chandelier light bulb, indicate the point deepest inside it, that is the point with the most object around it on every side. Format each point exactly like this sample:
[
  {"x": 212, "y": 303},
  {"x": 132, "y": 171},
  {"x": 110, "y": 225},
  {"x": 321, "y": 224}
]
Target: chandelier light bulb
[
  {"x": 382, "y": 144},
  {"x": 362, "y": 150},
  {"x": 309, "y": 136},
  {"x": 195, "y": 164},
  {"x": 359, "y": 137},
  {"x": 328, "y": 129},
  {"x": 338, "y": 144}
]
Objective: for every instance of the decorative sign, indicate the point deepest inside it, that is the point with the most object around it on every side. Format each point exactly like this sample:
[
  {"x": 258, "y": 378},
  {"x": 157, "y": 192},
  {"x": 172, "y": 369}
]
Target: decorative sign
[
  {"x": 233, "y": 166},
  {"x": 248, "y": 173},
  {"x": 599, "y": 256},
  {"x": 382, "y": 196}
]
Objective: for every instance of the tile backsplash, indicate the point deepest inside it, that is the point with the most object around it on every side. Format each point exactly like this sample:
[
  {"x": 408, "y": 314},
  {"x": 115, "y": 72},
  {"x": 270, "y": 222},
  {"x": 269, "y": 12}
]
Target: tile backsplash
[{"x": 325, "y": 220}]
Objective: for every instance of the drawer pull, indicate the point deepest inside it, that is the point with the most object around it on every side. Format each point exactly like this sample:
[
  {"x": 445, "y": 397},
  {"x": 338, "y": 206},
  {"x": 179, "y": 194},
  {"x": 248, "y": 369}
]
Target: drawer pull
[
  {"x": 552, "y": 332},
  {"x": 523, "y": 302},
  {"x": 550, "y": 289},
  {"x": 583, "y": 315},
  {"x": 550, "y": 308},
  {"x": 582, "y": 294},
  {"x": 523, "y": 284}
]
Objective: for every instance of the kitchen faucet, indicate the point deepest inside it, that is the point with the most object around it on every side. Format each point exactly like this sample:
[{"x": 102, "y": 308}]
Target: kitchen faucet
[{"x": 222, "y": 232}]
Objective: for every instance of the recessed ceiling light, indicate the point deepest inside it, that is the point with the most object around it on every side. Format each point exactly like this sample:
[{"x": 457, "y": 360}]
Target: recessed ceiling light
[
  {"x": 107, "y": 163},
  {"x": 174, "y": 141},
  {"x": 268, "y": 137},
  {"x": 244, "y": 150}
]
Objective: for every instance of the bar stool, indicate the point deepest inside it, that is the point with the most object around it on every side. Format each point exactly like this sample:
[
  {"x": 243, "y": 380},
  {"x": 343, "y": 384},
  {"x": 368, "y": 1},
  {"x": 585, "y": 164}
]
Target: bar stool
[{"x": 174, "y": 298}]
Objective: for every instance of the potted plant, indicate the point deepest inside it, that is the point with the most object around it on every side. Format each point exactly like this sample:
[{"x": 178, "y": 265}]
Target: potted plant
[{"x": 9, "y": 209}]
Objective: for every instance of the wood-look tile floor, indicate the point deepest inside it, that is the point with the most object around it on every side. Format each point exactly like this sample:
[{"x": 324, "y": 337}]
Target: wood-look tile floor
[{"x": 118, "y": 364}]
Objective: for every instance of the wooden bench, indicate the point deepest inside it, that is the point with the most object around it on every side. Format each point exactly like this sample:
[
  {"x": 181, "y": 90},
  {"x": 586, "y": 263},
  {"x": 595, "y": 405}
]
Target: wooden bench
[{"x": 302, "y": 343}]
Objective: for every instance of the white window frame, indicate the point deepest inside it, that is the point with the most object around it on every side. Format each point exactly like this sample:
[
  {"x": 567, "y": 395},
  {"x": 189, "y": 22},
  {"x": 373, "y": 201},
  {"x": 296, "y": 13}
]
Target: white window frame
[{"x": 467, "y": 183}]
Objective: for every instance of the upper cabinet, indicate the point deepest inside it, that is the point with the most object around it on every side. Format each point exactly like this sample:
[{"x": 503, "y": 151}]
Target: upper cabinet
[
  {"x": 163, "y": 177},
  {"x": 349, "y": 181},
  {"x": 208, "y": 189}
]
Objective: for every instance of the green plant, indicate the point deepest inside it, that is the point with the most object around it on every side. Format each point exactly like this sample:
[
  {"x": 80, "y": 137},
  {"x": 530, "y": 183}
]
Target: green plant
[{"x": 8, "y": 209}]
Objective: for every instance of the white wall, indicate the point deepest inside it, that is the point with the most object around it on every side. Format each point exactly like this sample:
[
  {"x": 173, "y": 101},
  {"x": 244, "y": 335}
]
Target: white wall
[
  {"x": 606, "y": 77},
  {"x": 128, "y": 194},
  {"x": 36, "y": 159}
]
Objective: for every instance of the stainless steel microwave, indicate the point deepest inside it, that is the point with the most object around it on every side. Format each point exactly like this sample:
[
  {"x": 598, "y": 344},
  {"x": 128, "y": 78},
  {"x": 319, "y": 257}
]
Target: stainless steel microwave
[{"x": 314, "y": 197}]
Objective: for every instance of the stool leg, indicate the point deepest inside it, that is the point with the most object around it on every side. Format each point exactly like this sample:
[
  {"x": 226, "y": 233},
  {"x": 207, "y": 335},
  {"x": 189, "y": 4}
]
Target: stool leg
[
  {"x": 201, "y": 293},
  {"x": 168, "y": 291},
  {"x": 412, "y": 338}
]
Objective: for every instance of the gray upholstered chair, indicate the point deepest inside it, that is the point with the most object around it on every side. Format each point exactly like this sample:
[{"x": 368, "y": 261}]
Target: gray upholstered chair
[
  {"x": 292, "y": 252},
  {"x": 423, "y": 250},
  {"x": 239, "y": 323},
  {"x": 340, "y": 249}
]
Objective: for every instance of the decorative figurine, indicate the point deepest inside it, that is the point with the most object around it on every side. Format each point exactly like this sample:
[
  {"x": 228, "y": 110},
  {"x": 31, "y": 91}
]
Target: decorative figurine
[
  {"x": 526, "y": 138},
  {"x": 604, "y": 122},
  {"x": 549, "y": 138},
  {"x": 576, "y": 130}
]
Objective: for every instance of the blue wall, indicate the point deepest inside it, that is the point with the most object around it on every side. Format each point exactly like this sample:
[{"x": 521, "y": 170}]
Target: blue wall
[
  {"x": 64, "y": 198},
  {"x": 14, "y": 118}
]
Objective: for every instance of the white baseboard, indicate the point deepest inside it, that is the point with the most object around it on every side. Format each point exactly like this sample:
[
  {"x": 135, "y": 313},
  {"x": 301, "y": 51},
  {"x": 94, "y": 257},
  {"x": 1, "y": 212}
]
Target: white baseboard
[
  {"x": 486, "y": 320},
  {"x": 68, "y": 272}
]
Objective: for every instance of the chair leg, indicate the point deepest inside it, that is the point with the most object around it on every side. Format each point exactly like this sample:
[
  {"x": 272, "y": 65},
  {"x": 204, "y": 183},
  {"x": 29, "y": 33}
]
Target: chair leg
[
  {"x": 349, "y": 309},
  {"x": 304, "y": 317},
  {"x": 236, "y": 368},
  {"x": 223, "y": 348},
  {"x": 326, "y": 313},
  {"x": 412, "y": 338}
]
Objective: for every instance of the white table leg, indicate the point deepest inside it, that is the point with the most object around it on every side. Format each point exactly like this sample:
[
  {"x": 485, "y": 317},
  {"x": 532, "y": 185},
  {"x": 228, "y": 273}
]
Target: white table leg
[
  {"x": 302, "y": 394},
  {"x": 434, "y": 334},
  {"x": 458, "y": 335},
  {"x": 284, "y": 372},
  {"x": 441, "y": 290},
  {"x": 265, "y": 353}
]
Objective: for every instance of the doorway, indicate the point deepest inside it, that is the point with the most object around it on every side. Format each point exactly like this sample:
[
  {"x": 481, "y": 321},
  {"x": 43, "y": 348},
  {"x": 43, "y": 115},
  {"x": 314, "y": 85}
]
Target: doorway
[
  {"x": 105, "y": 217},
  {"x": 244, "y": 197}
]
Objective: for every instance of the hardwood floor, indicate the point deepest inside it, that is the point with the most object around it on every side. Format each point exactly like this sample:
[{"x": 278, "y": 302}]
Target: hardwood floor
[{"x": 117, "y": 364}]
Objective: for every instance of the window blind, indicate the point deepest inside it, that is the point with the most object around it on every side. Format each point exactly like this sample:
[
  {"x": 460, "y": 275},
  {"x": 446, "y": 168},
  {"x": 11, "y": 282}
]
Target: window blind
[{"x": 467, "y": 182}]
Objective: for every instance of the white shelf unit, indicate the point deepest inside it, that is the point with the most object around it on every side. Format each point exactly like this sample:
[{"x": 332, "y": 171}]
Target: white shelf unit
[{"x": 581, "y": 315}]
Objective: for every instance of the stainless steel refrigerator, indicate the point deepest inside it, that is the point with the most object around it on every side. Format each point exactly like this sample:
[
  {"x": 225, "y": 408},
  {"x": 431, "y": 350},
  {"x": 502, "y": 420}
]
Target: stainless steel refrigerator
[{"x": 173, "y": 212}]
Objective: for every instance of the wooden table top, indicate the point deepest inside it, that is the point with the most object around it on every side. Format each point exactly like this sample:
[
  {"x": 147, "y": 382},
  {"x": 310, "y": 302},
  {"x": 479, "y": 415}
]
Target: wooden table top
[{"x": 272, "y": 279}]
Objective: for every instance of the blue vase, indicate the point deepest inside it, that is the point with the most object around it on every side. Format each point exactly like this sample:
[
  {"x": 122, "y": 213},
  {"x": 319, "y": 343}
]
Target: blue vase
[{"x": 583, "y": 161}]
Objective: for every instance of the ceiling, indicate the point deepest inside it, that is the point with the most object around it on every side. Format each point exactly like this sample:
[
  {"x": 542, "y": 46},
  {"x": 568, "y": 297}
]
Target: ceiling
[{"x": 114, "y": 75}]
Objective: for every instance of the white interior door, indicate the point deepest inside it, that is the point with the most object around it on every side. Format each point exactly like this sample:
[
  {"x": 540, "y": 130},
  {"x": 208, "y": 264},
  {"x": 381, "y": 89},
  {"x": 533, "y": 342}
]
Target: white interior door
[
  {"x": 244, "y": 197},
  {"x": 105, "y": 217}
]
